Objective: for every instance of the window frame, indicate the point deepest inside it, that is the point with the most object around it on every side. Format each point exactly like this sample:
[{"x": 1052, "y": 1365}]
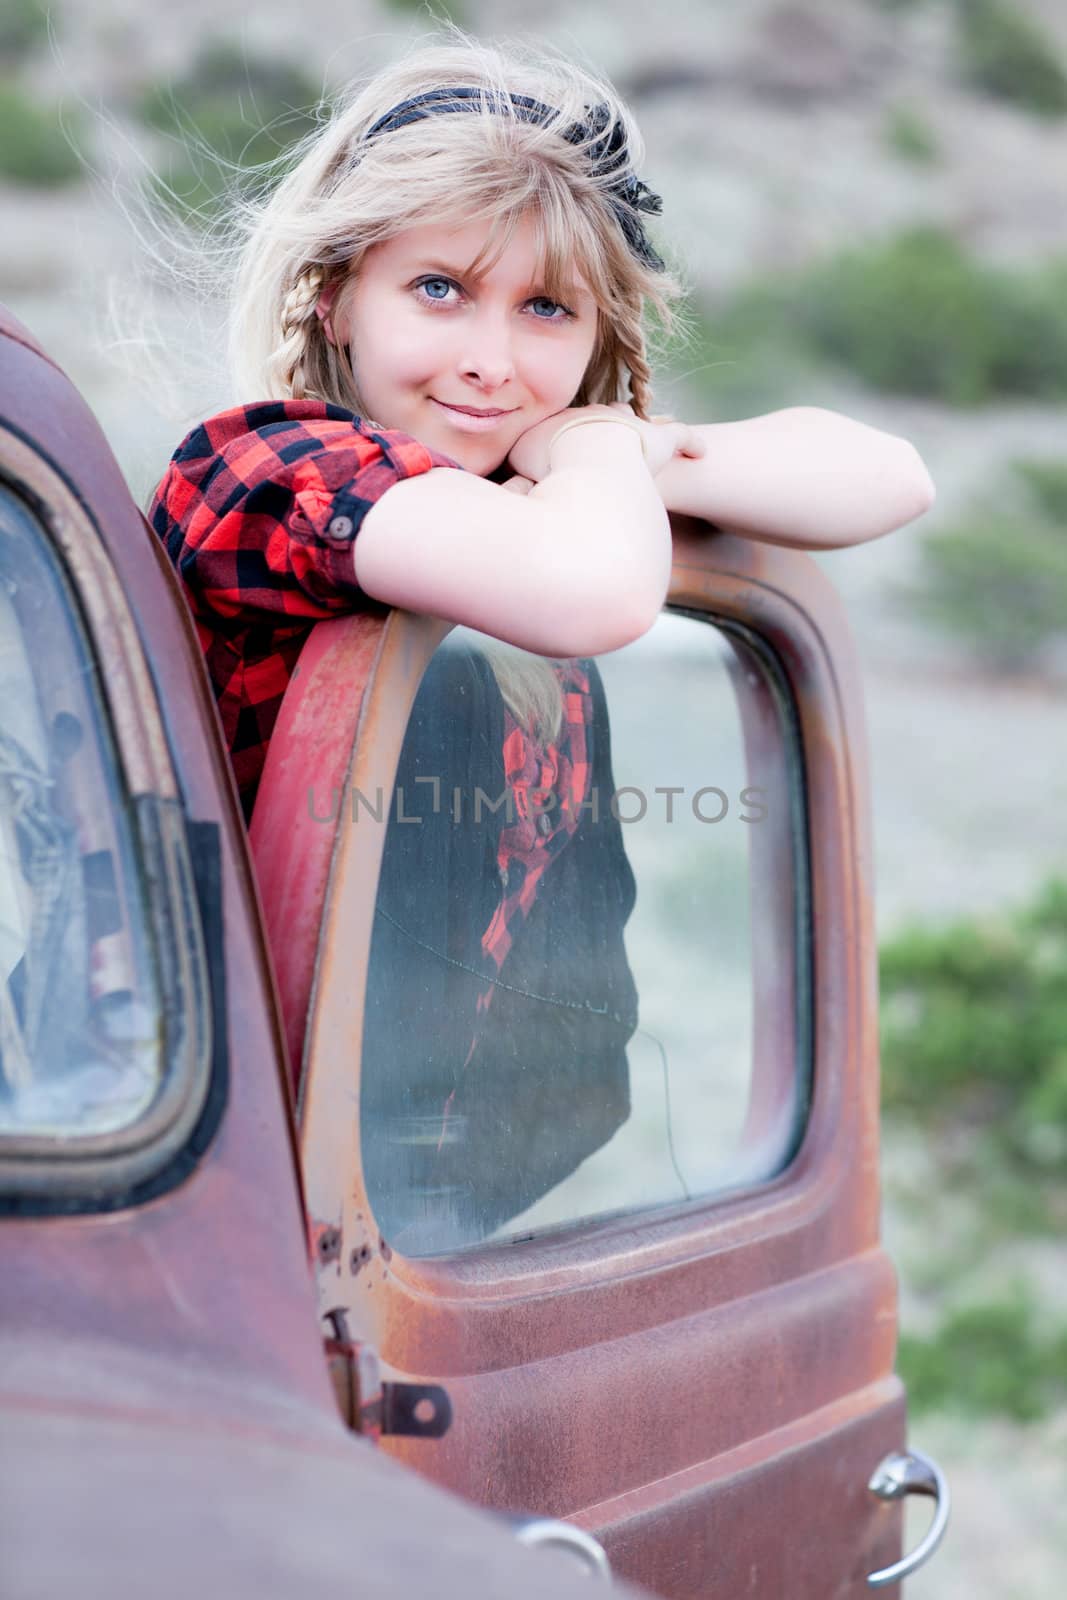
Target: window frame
[
  {"x": 590, "y": 1246},
  {"x": 99, "y": 1170},
  {"x": 778, "y": 1088}
]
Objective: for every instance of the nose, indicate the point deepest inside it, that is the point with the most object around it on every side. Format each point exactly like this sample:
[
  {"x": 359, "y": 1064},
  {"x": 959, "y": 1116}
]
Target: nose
[{"x": 487, "y": 356}]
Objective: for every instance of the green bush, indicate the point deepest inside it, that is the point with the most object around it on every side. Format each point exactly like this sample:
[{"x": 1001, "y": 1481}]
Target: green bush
[
  {"x": 33, "y": 150},
  {"x": 1046, "y": 485},
  {"x": 998, "y": 581},
  {"x": 1005, "y": 52},
  {"x": 747, "y": 355},
  {"x": 913, "y": 314},
  {"x": 974, "y": 1053},
  {"x": 974, "y": 1039},
  {"x": 23, "y": 28},
  {"x": 988, "y": 1356},
  {"x": 917, "y": 315},
  {"x": 229, "y": 111},
  {"x": 910, "y": 137},
  {"x": 999, "y": 587}
]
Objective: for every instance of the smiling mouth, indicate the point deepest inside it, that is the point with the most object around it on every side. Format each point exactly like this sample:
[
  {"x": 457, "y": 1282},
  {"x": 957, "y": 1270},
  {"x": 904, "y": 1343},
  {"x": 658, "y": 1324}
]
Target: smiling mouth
[{"x": 473, "y": 421}]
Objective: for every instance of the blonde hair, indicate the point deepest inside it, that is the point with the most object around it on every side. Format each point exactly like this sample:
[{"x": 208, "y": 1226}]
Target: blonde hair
[{"x": 344, "y": 194}]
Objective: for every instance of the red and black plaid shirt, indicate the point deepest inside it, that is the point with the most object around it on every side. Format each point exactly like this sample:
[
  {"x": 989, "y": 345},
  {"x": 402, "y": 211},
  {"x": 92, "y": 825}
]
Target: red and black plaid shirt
[
  {"x": 537, "y": 773},
  {"x": 258, "y": 510}
]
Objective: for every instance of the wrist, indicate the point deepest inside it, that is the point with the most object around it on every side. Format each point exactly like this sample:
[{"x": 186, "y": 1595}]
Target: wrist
[{"x": 604, "y": 438}]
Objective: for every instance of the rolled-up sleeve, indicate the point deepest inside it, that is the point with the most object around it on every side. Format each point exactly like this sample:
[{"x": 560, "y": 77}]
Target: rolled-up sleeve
[{"x": 260, "y": 507}]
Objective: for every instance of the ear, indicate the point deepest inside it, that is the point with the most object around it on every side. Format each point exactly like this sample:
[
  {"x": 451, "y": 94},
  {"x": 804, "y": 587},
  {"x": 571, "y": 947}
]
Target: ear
[{"x": 322, "y": 309}]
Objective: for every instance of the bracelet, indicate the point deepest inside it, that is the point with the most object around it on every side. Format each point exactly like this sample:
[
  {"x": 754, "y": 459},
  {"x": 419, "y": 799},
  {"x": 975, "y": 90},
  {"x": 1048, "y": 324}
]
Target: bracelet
[{"x": 585, "y": 422}]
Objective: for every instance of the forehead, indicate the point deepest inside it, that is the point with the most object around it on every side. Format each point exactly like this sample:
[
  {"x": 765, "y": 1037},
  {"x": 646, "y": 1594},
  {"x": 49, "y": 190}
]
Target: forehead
[{"x": 455, "y": 247}]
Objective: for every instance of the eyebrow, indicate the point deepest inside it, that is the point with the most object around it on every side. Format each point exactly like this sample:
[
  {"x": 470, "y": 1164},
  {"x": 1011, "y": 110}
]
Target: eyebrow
[{"x": 444, "y": 266}]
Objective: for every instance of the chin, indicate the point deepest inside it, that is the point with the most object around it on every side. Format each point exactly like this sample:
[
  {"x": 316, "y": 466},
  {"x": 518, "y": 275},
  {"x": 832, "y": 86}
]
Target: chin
[
  {"x": 487, "y": 467},
  {"x": 481, "y": 458}
]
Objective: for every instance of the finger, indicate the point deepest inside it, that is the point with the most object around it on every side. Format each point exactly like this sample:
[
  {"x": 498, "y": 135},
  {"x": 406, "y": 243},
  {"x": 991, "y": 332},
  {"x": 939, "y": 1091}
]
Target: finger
[{"x": 518, "y": 484}]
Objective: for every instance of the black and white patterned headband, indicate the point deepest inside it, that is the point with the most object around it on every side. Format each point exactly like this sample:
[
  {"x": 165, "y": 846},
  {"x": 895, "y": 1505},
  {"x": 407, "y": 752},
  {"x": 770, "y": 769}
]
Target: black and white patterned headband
[{"x": 628, "y": 196}]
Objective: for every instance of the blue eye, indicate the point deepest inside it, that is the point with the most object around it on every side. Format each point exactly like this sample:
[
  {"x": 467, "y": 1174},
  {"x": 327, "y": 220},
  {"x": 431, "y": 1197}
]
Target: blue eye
[
  {"x": 427, "y": 281},
  {"x": 542, "y": 299},
  {"x": 424, "y": 287}
]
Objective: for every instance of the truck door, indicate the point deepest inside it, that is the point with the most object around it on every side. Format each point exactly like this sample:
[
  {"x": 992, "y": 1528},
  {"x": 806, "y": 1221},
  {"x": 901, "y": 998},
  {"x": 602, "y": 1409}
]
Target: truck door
[{"x": 589, "y": 1102}]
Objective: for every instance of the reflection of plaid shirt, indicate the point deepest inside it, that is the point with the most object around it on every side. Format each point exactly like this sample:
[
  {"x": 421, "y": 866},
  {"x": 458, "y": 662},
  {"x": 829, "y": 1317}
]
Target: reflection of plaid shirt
[
  {"x": 557, "y": 776},
  {"x": 258, "y": 510},
  {"x": 548, "y": 787}
]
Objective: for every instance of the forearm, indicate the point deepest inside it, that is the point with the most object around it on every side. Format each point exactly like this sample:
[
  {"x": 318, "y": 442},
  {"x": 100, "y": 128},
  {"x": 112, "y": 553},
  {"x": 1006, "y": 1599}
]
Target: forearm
[
  {"x": 608, "y": 527},
  {"x": 803, "y": 476},
  {"x": 578, "y": 566}
]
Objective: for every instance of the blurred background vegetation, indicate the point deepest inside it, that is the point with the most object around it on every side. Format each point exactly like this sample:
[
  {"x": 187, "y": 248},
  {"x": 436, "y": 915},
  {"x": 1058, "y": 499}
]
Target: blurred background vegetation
[
  {"x": 974, "y": 1059},
  {"x": 870, "y": 203}
]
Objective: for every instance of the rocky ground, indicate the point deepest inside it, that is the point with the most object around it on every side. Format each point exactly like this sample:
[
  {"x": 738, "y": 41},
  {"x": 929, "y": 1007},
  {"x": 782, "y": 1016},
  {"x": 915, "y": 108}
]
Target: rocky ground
[{"x": 764, "y": 133}]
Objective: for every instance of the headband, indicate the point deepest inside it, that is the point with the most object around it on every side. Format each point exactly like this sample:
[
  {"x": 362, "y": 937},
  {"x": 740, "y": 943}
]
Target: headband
[{"x": 627, "y": 196}]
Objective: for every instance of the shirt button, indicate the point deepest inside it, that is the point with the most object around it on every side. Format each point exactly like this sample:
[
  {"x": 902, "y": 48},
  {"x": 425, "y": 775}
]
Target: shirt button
[
  {"x": 341, "y": 528},
  {"x": 544, "y": 822}
]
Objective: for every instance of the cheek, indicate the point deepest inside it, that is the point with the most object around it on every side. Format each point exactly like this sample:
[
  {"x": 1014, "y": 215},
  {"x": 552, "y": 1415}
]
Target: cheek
[
  {"x": 552, "y": 366},
  {"x": 380, "y": 358}
]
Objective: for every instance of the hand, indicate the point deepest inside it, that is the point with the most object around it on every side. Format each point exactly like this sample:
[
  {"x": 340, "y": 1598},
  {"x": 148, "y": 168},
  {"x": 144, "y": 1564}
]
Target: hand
[
  {"x": 663, "y": 438},
  {"x": 529, "y": 454}
]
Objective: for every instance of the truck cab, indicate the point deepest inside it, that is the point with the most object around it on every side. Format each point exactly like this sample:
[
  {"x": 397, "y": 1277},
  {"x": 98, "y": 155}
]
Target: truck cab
[{"x": 615, "y": 1282}]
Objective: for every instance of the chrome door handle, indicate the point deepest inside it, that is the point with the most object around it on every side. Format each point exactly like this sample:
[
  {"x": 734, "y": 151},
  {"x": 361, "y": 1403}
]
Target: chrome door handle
[
  {"x": 910, "y": 1472},
  {"x": 563, "y": 1536}
]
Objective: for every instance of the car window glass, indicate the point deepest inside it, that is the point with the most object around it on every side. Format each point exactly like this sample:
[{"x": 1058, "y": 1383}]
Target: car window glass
[
  {"x": 80, "y": 1027},
  {"x": 583, "y": 988}
]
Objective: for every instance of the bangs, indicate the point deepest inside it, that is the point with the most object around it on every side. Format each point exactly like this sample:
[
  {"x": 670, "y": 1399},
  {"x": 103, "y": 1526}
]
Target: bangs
[
  {"x": 570, "y": 255},
  {"x": 570, "y": 250}
]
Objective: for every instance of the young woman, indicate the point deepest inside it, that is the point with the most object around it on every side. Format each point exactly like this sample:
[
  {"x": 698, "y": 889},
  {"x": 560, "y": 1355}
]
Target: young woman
[{"x": 438, "y": 326}]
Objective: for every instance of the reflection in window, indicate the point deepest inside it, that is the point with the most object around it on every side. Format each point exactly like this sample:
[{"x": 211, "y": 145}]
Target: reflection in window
[
  {"x": 80, "y": 1045},
  {"x": 583, "y": 941}
]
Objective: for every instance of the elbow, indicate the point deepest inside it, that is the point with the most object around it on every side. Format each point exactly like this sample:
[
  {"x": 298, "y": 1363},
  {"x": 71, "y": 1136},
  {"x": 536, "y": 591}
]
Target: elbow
[
  {"x": 621, "y": 628},
  {"x": 918, "y": 492},
  {"x": 603, "y": 594},
  {"x": 628, "y": 590},
  {"x": 615, "y": 621},
  {"x": 925, "y": 489},
  {"x": 906, "y": 492},
  {"x": 906, "y": 489},
  {"x": 610, "y": 617}
]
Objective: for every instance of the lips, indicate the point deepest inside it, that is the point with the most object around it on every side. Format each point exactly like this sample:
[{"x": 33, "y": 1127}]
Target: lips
[
  {"x": 468, "y": 420},
  {"x": 472, "y": 411}
]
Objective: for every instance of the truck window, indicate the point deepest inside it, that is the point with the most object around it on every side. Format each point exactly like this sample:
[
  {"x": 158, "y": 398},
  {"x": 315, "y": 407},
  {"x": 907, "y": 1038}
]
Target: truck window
[
  {"x": 106, "y": 1039},
  {"x": 589, "y": 929}
]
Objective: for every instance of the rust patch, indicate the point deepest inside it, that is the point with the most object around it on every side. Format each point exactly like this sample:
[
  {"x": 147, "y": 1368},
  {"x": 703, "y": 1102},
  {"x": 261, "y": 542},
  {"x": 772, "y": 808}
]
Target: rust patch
[{"x": 328, "y": 1245}]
